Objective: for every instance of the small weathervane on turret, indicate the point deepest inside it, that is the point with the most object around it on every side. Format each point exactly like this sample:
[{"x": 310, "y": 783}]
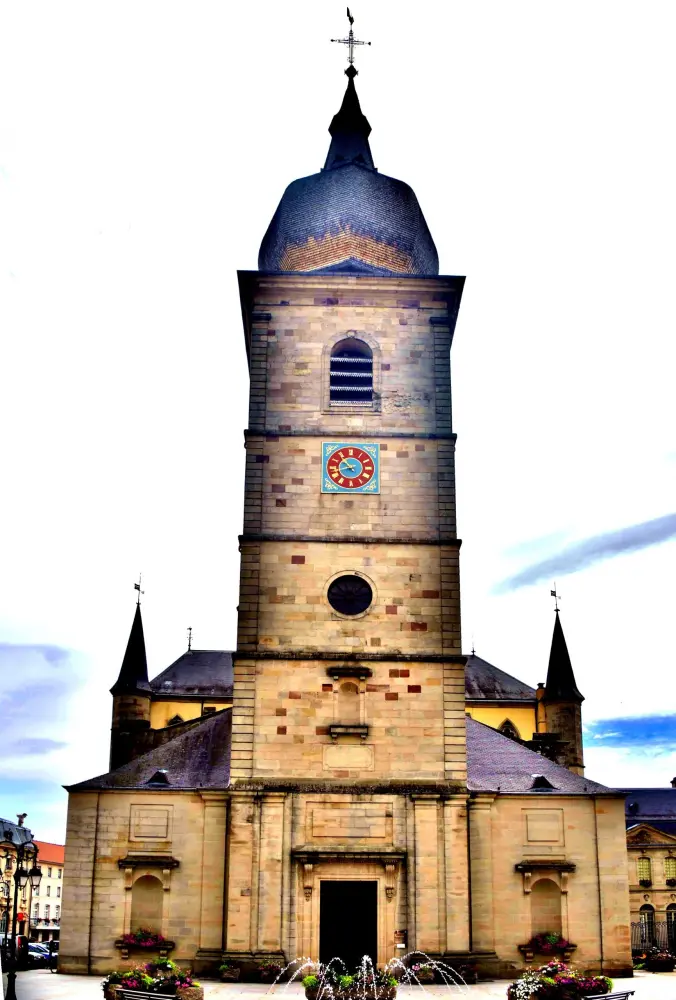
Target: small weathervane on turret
[
  {"x": 137, "y": 586},
  {"x": 350, "y": 41},
  {"x": 189, "y": 639},
  {"x": 556, "y": 597}
]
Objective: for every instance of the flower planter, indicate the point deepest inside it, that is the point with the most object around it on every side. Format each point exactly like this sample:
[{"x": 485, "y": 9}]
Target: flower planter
[
  {"x": 190, "y": 992},
  {"x": 160, "y": 950},
  {"x": 660, "y": 965},
  {"x": 111, "y": 992},
  {"x": 232, "y": 976}
]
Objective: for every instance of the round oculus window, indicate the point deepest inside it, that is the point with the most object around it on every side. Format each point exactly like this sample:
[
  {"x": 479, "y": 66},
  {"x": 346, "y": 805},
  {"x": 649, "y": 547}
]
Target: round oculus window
[{"x": 349, "y": 595}]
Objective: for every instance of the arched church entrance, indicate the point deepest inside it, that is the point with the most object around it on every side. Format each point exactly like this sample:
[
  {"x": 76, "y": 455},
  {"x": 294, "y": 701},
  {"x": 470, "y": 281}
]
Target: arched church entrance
[{"x": 348, "y": 921}]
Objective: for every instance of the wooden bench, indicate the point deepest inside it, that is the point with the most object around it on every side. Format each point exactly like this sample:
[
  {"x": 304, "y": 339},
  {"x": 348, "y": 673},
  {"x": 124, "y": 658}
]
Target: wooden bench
[
  {"x": 614, "y": 996},
  {"x": 125, "y": 994}
]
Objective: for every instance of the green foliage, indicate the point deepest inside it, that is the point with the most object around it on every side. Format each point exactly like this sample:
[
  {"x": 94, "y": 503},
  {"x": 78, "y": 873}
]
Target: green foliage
[
  {"x": 557, "y": 981},
  {"x": 310, "y": 982}
]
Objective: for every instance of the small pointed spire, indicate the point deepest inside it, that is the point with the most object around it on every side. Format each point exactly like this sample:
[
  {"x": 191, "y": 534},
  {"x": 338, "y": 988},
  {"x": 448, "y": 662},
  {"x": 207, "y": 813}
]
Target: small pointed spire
[
  {"x": 560, "y": 684},
  {"x": 134, "y": 670},
  {"x": 349, "y": 130}
]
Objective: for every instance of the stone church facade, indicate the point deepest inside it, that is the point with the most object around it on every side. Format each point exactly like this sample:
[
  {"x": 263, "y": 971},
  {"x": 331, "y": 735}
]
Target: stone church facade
[{"x": 324, "y": 789}]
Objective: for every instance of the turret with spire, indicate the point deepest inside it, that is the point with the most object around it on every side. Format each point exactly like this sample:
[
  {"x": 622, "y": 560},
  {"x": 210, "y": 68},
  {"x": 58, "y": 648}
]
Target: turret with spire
[
  {"x": 131, "y": 696},
  {"x": 562, "y": 701}
]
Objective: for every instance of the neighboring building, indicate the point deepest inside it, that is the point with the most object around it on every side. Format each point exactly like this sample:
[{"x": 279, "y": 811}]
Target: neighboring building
[
  {"x": 12, "y": 835},
  {"x": 548, "y": 720},
  {"x": 353, "y": 805},
  {"x": 48, "y": 900},
  {"x": 651, "y": 843}
]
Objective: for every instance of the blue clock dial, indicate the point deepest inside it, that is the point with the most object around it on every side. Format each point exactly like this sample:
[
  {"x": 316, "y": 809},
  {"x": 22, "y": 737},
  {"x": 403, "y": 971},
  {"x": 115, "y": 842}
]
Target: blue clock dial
[{"x": 350, "y": 467}]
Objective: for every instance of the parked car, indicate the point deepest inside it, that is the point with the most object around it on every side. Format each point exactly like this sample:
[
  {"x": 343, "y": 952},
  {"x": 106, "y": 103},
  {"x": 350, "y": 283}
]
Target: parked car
[{"x": 38, "y": 954}]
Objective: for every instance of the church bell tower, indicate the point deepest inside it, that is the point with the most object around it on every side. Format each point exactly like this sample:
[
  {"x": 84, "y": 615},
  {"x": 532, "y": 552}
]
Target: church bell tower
[{"x": 348, "y": 760}]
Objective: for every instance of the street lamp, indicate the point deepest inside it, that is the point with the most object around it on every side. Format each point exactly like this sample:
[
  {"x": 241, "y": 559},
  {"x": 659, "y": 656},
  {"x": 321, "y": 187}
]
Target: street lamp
[{"x": 26, "y": 853}]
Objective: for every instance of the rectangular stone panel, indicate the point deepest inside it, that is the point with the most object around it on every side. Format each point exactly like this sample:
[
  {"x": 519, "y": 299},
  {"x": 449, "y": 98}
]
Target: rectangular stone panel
[
  {"x": 150, "y": 823},
  {"x": 543, "y": 826},
  {"x": 344, "y": 757},
  {"x": 340, "y": 821}
]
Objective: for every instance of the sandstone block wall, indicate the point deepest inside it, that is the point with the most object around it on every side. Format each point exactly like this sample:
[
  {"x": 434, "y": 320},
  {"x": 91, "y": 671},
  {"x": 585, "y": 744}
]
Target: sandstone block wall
[
  {"x": 106, "y": 827},
  {"x": 594, "y": 898}
]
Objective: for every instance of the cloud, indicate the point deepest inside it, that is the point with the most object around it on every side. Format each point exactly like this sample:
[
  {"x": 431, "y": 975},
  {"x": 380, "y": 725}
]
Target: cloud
[
  {"x": 592, "y": 550},
  {"x": 37, "y": 685},
  {"x": 36, "y": 745}
]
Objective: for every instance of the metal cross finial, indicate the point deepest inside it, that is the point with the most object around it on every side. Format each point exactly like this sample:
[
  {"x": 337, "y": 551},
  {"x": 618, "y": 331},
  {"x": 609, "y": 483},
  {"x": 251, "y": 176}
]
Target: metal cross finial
[
  {"x": 557, "y": 598},
  {"x": 350, "y": 41},
  {"x": 137, "y": 586},
  {"x": 189, "y": 638}
]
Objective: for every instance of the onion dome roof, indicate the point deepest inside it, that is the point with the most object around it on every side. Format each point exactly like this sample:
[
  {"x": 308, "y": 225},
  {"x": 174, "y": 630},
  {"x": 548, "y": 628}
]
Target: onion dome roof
[{"x": 349, "y": 218}]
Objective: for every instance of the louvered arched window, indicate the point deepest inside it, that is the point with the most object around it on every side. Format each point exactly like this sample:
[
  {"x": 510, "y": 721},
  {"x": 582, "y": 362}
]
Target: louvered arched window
[{"x": 351, "y": 373}]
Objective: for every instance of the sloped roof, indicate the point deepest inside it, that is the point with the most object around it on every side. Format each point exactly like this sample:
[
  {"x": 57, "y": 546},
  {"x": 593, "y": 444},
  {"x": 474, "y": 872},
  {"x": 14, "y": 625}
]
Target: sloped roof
[
  {"x": 496, "y": 763},
  {"x": 50, "y": 853},
  {"x": 206, "y": 672},
  {"x": 199, "y": 758},
  {"x": 655, "y": 806},
  {"x": 12, "y": 833},
  {"x": 483, "y": 681}
]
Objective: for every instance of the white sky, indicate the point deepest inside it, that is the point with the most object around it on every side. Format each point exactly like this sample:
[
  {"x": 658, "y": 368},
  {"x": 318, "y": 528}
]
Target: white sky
[{"x": 143, "y": 150}]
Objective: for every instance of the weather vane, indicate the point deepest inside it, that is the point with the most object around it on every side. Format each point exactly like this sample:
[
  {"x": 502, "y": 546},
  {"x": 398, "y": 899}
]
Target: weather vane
[
  {"x": 350, "y": 41},
  {"x": 189, "y": 638},
  {"x": 557, "y": 598},
  {"x": 137, "y": 586}
]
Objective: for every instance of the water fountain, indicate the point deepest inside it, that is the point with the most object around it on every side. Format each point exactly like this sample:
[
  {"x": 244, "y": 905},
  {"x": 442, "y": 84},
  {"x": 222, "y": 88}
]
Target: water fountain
[{"x": 333, "y": 981}]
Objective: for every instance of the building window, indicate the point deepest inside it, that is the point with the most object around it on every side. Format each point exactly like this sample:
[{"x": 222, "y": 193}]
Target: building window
[
  {"x": 36, "y": 911},
  {"x": 49, "y": 890},
  {"x": 36, "y": 890},
  {"x": 644, "y": 869},
  {"x": 670, "y": 867},
  {"x": 60, "y": 872},
  {"x": 58, "y": 890},
  {"x": 351, "y": 373},
  {"x": 646, "y": 919},
  {"x": 208, "y": 710},
  {"x": 174, "y": 720},
  {"x": 46, "y": 911},
  {"x": 671, "y": 926},
  {"x": 58, "y": 913},
  {"x": 509, "y": 729},
  {"x": 349, "y": 595},
  {"x": 49, "y": 873}
]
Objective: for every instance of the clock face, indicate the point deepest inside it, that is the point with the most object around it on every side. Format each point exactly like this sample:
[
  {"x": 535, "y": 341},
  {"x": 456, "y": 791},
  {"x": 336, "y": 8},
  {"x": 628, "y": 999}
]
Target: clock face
[{"x": 350, "y": 467}]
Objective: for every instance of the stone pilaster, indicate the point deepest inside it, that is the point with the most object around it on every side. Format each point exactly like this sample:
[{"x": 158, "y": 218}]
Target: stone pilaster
[
  {"x": 481, "y": 872},
  {"x": 427, "y": 938},
  {"x": 213, "y": 873},
  {"x": 457, "y": 874}
]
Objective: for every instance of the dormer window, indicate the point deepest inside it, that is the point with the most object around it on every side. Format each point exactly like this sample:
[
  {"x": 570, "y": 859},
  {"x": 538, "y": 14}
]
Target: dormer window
[{"x": 351, "y": 374}]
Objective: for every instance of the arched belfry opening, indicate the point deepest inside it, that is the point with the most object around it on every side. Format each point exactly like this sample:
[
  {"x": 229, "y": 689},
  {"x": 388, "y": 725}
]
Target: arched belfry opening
[{"x": 351, "y": 373}]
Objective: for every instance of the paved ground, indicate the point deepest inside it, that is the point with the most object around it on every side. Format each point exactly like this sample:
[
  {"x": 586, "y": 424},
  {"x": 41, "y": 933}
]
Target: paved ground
[{"x": 41, "y": 984}]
